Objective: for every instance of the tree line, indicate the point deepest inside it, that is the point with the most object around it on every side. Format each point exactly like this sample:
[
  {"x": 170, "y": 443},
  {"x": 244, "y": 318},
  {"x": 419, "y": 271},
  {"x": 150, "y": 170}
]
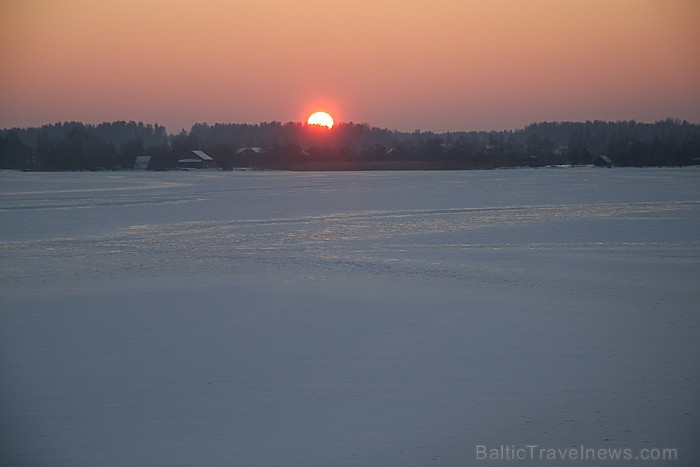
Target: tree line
[{"x": 115, "y": 145}]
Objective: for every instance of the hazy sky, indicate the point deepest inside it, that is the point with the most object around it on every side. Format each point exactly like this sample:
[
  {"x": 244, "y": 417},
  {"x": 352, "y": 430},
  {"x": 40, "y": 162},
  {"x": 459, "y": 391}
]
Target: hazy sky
[{"x": 404, "y": 64}]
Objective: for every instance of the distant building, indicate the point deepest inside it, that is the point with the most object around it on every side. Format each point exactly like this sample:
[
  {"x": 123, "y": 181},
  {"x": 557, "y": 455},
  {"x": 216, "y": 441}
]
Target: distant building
[
  {"x": 602, "y": 161},
  {"x": 142, "y": 163},
  {"x": 252, "y": 151},
  {"x": 561, "y": 150},
  {"x": 196, "y": 160}
]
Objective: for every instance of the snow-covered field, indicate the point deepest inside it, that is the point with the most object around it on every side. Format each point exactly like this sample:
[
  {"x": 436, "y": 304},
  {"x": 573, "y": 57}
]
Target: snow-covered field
[{"x": 367, "y": 318}]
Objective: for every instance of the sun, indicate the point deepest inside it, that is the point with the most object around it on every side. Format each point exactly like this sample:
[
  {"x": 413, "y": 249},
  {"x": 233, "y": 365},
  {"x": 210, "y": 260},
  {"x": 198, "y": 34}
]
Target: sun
[{"x": 321, "y": 119}]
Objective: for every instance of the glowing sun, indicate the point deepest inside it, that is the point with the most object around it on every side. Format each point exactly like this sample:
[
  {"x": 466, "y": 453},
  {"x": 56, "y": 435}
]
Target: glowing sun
[{"x": 321, "y": 119}]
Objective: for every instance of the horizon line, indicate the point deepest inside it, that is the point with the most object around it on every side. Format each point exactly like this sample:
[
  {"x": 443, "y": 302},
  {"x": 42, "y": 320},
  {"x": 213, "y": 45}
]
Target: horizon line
[{"x": 341, "y": 123}]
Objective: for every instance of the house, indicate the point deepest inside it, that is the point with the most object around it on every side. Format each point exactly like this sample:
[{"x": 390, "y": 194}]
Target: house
[
  {"x": 196, "y": 159},
  {"x": 602, "y": 161},
  {"x": 250, "y": 153},
  {"x": 142, "y": 163}
]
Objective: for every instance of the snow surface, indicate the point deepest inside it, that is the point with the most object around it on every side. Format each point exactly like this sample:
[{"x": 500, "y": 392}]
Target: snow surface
[{"x": 347, "y": 318}]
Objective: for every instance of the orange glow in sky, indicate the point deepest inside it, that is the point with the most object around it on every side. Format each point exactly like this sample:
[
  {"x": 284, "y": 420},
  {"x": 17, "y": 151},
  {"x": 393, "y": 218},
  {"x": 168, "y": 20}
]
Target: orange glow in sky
[{"x": 411, "y": 64}]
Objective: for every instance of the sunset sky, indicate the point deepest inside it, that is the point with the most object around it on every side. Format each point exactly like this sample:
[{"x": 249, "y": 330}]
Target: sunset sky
[{"x": 401, "y": 64}]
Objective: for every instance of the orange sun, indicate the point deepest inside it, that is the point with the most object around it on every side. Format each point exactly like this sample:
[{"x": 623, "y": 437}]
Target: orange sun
[{"x": 321, "y": 119}]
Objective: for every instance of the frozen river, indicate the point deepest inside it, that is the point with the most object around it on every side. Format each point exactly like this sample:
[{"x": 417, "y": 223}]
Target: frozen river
[{"x": 348, "y": 318}]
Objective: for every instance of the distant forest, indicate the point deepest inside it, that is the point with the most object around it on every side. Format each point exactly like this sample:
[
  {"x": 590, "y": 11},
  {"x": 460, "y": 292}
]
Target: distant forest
[{"x": 297, "y": 146}]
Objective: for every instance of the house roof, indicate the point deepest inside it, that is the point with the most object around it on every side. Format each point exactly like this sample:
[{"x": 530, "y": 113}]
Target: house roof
[
  {"x": 201, "y": 155},
  {"x": 142, "y": 162},
  {"x": 256, "y": 150}
]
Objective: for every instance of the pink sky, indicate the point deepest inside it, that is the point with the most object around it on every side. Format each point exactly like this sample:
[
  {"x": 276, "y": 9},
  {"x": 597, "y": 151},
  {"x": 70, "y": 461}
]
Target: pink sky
[{"x": 409, "y": 64}]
